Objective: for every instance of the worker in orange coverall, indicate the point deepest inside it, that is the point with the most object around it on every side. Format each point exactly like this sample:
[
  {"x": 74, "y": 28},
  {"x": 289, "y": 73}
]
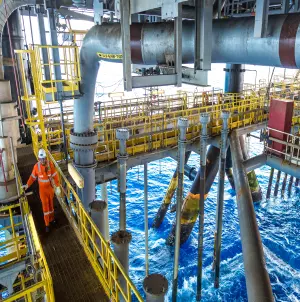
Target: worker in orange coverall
[{"x": 46, "y": 174}]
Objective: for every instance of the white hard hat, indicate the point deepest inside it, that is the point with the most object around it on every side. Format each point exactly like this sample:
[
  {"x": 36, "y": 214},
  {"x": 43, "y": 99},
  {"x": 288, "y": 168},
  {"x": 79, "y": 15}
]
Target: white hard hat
[{"x": 42, "y": 153}]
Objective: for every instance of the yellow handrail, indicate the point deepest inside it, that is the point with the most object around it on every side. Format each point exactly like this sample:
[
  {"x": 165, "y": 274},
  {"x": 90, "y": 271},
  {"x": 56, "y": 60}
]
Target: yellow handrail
[
  {"x": 39, "y": 283},
  {"x": 105, "y": 264}
]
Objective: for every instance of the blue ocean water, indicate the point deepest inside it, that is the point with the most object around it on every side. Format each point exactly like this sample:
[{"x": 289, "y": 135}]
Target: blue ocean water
[{"x": 278, "y": 220}]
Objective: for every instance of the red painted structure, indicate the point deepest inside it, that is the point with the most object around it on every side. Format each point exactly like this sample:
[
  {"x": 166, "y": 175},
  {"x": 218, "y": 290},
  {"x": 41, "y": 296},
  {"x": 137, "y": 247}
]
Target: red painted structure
[{"x": 281, "y": 115}]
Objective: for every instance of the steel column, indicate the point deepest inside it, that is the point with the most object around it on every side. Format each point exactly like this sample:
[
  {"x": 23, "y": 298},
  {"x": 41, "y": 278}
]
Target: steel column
[
  {"x": 105, "y": 212},
  {"x": 126, "y": 50},
  {"x": 203, "y": 34},
  {"x": 178, "y": 45},
  {"x": 290, "y": 185},
  {"x": 283, "y": 185},
  {"x": 270, "y": 183},
  {"x": 146, "y": 218},
  {"x": 219, "y": 217},
  {"x": 261, "y": 18},
  {"x": 277, "y": 183},
  {"x": 257, "y": 278},
  {"x": 204, "y": 120},
  {"x": 182, "y": 125}
]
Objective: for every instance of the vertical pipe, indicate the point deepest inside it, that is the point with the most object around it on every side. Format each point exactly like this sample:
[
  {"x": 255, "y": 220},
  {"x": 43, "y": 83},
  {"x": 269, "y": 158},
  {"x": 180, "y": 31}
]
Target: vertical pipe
[
  {"x": 122, "y": 238},
  {"x": 277, "y": 183},
  {"x": 105, "y": 212},
  {"x": 257, "y": 278},
  {"x": 283, "y": 185},
  {"x": 219, "y": 217},
  {"x": 204, "y": 120},
  {"x": 270, "y": 183},
  {"x": 182, "y": 125},
  {"x": 290, "y": 185},
  {"x": 122, "y": 135},
  {"x": 146, "y": 218}
]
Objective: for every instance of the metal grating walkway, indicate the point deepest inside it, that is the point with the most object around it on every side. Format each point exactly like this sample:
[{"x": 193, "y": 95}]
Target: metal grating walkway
[{"x": 73, "y": 276}]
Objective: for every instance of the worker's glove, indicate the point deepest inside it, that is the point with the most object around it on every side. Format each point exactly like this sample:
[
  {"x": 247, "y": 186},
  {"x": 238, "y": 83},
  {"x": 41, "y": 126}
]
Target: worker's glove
[
  {"x": 57, "y": 191},
  {"x": 25, "y": 187}
]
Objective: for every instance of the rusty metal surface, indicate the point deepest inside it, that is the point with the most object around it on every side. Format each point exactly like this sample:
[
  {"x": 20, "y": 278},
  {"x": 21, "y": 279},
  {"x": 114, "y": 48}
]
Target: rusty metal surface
[{"x": 287, "y": 42}]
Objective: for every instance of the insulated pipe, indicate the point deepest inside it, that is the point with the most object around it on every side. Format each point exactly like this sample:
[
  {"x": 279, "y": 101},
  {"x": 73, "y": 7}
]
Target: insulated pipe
[
  {"x": 190, "y": 208},
  {"x": 161, "y": 213},
  {"x": 252, "y": 178},
  {"x": 257, "y": 278}
]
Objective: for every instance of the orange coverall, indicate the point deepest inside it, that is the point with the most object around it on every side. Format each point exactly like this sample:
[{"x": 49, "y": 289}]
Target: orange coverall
[{"x": 44, "y": 174}]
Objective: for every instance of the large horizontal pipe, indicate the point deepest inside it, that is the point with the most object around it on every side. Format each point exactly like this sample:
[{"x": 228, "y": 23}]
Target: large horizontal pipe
[{"x": 232, "y": 42}]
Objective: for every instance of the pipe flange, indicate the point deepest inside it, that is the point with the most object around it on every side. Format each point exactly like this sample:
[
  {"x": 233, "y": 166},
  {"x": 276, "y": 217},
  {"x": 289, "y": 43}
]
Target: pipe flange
[
  {"x": 155, "y": 284},
  {"x": 122, "y": 157},
  {"x": 204, "y": 118},
  {"x": 93, "y": 165},
  {"x": 121, "y": 237},
  {"x": 183, "y": 122},
  {"x": 122, "y": 134},
  {"x": 98, "y": 205},
  {"x": 83, "y": 141},
  {"x": 225, "y": 115}
]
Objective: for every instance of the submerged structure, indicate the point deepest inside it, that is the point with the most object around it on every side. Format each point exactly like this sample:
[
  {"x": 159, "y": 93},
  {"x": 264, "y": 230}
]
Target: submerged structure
[{"x": 47, "y": 100}]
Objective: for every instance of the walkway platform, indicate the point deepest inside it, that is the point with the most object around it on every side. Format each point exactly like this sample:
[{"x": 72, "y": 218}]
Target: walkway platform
[{"x": 73, "y": 276}]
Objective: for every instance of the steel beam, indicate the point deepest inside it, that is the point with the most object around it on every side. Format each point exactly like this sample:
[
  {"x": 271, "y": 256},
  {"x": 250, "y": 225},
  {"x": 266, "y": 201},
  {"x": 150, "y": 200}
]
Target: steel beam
[
  {"x": 155, "y": 80},
  {"x": 203, "y": 34},
  {"x": 255, "y": 162},
  {"x": 261, "y": 18},
  {"x": 257, "y": 278},
  {"x": 178, "y": 46},
  {"x": 126, "y": 50}
]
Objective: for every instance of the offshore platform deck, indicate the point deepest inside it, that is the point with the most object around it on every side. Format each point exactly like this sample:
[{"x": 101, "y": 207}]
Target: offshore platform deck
[{"x": 92, "y": 143}]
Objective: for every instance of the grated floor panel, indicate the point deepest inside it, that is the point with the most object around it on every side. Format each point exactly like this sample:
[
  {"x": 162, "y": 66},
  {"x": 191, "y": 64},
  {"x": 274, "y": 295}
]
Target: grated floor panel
[{"x": 73, "y": 276}]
